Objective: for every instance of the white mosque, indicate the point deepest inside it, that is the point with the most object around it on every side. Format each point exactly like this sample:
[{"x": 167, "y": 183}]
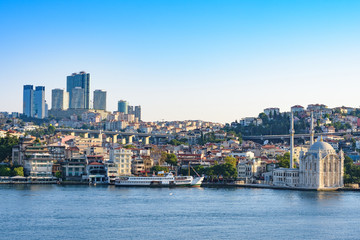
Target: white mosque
[{"x": 320, "y": 168}]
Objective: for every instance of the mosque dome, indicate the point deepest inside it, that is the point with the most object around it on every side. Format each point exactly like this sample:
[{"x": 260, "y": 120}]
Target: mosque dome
[{"x": 321, "y": 146}]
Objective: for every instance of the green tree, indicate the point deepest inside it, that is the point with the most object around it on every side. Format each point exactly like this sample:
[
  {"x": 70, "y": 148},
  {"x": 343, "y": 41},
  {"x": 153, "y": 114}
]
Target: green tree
[
  {"x": 176, "y": 142},
  {"x": 159, "y": 168},
  {"x": 6, "y": 145},
  {"x": 58, "y": 174},
  {"x": 199, "y": 169},
  {"x": 231, "y": 160},
  {"x": 171, "y": 159},
  {"x": 129, "y": 146},
  {"x": 18, "y": 171},
  {"x": 284, "y": 161},
  {"x": 51, "y": 129},
  {"x": 351, "y": 171},
  {"x": 228, "y": 170},
  {"x": 5, "y": 171}
]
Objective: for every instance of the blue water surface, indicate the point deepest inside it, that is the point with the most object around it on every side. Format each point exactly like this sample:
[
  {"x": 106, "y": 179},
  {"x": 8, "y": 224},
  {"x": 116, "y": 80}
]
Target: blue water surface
[{"x": 109, "y": 212}]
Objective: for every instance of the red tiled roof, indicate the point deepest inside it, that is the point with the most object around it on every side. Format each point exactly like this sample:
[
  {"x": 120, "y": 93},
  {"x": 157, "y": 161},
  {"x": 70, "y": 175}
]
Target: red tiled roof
[{"x": 95, "y": 163}]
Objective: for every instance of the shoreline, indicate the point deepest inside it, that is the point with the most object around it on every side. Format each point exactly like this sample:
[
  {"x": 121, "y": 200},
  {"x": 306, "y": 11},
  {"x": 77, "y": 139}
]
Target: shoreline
[{"x": 204, "y": 185}]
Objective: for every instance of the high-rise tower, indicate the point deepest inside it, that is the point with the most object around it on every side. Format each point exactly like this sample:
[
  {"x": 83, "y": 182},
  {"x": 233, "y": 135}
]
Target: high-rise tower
[
  {"x": 80, "y": 80},
  {"x": 100, "y": 100},
  {"x": 123, "y": 106},
  {"x": 138, "y": 112},
  {"x": 39, "y": 102},
  {"x": 28, "y": 95},
  {"x": 34, "y": 101},
  {"x": 59, "y": 99},
  {"x": 77, "y": 99}
]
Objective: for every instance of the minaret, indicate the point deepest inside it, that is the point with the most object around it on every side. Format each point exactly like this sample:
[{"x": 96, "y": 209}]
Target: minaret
[
  {"x": 292, "y": 132},
  {"x": 312, "y": 129}
]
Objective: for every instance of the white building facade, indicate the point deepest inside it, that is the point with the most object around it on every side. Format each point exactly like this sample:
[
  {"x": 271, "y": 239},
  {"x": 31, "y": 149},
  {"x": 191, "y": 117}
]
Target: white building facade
[
  {"x": 121, "y": 157},
  {"x": 39, "y": 165},
  {"x": 321, "y": 167}
]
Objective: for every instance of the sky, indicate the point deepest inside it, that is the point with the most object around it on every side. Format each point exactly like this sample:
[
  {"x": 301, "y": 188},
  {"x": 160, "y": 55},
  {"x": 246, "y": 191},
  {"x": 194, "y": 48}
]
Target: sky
[{"x": 201, "y": 59}]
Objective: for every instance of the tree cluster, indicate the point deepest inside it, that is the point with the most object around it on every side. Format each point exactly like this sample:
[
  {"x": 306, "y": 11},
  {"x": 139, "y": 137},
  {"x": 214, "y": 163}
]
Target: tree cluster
[
  {"x": 208, "y": 138},
  {"x": 283, "y": 161},
  {"x": 351, "y": 171},
  {"x": 11, "y": 171},
  {"x": 271, "y": 125},
  {"x": 176, "y": 142},
  {"x": 39, "y": 132},
  {"x": 6, "y": 145},
  {"x": 227, "y": 170}
]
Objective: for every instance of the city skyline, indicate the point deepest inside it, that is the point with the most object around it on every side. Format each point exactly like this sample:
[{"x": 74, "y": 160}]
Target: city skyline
[{"x": 210, "y": 60}]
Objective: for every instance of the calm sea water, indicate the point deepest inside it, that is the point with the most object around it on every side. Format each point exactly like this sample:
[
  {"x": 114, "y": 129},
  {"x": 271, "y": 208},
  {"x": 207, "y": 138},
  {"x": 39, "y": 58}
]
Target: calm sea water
[{"x": 108, "y": 212}]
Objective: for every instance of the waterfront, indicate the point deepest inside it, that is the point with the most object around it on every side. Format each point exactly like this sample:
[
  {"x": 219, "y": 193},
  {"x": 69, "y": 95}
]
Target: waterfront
[{"x": 107, "y": 212}]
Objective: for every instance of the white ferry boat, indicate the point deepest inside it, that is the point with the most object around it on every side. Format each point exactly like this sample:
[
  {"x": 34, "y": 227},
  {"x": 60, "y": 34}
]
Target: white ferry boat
[{"x": 166, "y": 180}]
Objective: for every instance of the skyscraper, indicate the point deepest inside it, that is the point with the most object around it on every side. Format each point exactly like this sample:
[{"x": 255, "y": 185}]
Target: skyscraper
[
  {"x": 81, "y": 80},
  {"x": 123, "y": 106},
  {"x": 131, "y": 110},
  {"x": 138, "y": 112},
  {"x": 28, "y": 95},
  {"x": 59, "y": 99},
  {"x": 39, "y": 102},
  {"x": 77, "y": 99},
  {"x": 100, "y": 100}
]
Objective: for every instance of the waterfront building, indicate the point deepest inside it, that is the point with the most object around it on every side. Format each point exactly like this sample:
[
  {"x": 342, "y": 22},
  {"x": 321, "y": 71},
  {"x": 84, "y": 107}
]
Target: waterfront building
[
  {"x": 57, "y": 151},
  {"x": 59, "y": 99},
  {"x": 96, "y": 173},
  {"x": 286, "y": 177},
  {"x": 28, "y": 95},
  {"x": 99, "y": 100},
  {"x": 74, "y": 168},
  {"x": 121, "y": 157},
  {"x": 38, "y": 165},
  {"x": 141, "y": 165},
  {"x": 138, "y": 112},
  {"x": 112, "y": 171},
  {"x": 18, "y": 151},
  {"x": 320, "y": 167},
  {"x": 250, "y": 169},
  {"x": 77, "y": 98},
  {"x": 123, "y": 106},
  {"x": 79, "y": 80}
]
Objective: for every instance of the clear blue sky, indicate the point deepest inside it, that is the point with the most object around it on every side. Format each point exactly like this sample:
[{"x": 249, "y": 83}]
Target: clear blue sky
[{"x": 209, "y": 60}]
